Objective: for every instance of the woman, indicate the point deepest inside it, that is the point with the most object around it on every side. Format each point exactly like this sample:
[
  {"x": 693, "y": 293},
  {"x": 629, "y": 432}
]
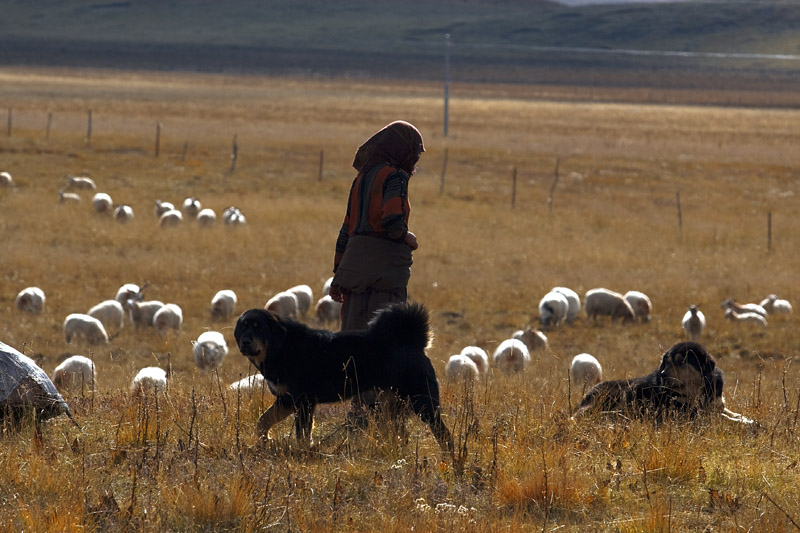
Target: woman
[{"x": 372, "y": 264}]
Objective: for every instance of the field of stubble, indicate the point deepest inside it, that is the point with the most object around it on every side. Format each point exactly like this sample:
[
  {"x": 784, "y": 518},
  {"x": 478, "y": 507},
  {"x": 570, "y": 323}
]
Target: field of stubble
[{"x": 489, "y": 250}]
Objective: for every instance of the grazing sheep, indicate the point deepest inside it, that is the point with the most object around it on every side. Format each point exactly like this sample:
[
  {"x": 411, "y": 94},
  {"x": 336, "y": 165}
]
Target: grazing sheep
[
  {"x": 304, "y": 297},
  {"x": 585, "y": 370},
  {"x": 223, "y": 304},
  {"x": 110, "y": 313},
  {"x": 553, "y": 309},
  {"x": 163, "y": 207},
  {"x": 6, "y": 180},
  {"x": 693, "y": 323},
  {"x": 75, "y": 372},
  {"x": 605, "y": 302},
  {"x": 283, "y": 304},
  {"x": 169, "y": 317},
  {"x": 511, "y": 356},
  {"x": 68, "y": 198},
  {"x": 101, "y": 202},
  {"x": 210, "y": 349},
  {"x": 84, "y": 327},
  {"x": 149, "y": 379},
  {"x": 326, "y": 287},
  {"x": 170, "y": 218},
  {"x": 206, "y": 217},
  {"x": 129, "y": 291},
  {"x": 30, "y": 300},
  {"x": 250, "y": 383},
  {"x": 533, "y": 338},
  {"x": 142, "y": 313},
  {"x": 328, "y": 310},
  {"x": 81, "y": 182},
  {"x": 743, "y": 308},
  {"x": 775, "y": 306},
  {"x": 746, "y": 318},
  {"x": 191, "y": 207},
  {"x": 460, "y": 367},
  {"x": 574, "y": 302},
  {"x": 232, "y": 216},
  {"x": 479, "y": 357},
  {"x": 123, "y": 213},
  {"x": 640, "y": 303}
]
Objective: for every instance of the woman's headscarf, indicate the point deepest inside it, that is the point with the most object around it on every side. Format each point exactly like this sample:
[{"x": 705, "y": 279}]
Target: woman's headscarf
[{"x": 398, "y": 144}]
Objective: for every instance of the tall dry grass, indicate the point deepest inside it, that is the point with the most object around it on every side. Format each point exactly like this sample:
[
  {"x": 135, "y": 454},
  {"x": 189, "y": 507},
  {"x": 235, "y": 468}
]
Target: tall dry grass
[{"x": 190, "y": 460}]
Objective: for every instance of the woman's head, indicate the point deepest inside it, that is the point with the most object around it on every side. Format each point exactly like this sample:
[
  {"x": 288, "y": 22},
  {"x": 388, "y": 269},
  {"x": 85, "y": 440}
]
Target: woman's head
[{"x": 398, "y": 144}]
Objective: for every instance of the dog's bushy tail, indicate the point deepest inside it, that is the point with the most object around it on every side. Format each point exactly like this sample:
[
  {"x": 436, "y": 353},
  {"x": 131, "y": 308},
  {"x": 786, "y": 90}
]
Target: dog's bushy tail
[{"x": 403, "y": 324}]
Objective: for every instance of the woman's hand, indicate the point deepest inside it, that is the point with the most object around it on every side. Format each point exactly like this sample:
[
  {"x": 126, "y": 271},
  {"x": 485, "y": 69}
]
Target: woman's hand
[{"x": 411, "y": 240}]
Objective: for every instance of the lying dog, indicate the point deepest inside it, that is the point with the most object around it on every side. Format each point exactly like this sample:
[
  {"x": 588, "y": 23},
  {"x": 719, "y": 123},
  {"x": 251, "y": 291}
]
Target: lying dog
[
  {"x": 687, "y": 383},
  {"x": 304, "y": 366}
]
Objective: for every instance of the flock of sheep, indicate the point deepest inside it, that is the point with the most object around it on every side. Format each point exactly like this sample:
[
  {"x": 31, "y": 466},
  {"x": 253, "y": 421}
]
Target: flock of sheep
[
  {"x": 166, "y": 212},
  {"x": 562, "y": 306},
  {"x": 103, "y": 321}
]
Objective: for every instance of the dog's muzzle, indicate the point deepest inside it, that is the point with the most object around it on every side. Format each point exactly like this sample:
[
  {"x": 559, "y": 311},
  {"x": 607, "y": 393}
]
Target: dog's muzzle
[{"x": 249, "y": 348}]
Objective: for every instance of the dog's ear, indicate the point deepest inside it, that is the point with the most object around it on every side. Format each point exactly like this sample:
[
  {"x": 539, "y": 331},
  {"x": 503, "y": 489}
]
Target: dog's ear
[{"x": 277, "y": 332}]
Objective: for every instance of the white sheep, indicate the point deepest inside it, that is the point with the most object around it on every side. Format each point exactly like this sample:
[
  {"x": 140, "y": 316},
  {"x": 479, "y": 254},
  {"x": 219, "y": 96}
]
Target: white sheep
[
  {"x": 606, "y": 302},
  {"x": 585, "y": 370},
  {"x": 149, "y": 379},
  {"x": 223, "y": 304},
  {"x": 123, "y": 213},
  {"x": 533, "y": 338},
  {"x": 553, "y": 309},
  {"x": 169, "y": 317},
  {"x": 68, "y": 197},
  {"x": 232, "y": 216},
  {"x": 75, "y": 372},
  {"x": 142, "y": 313},
  {"x": 129, "y": 291},
  {"x": 170, "y": 218},
  {"x": 460, "y": 367},
  {"x": 746, "y": 318},
  {"x": 304, "y": 296},
  {"x": 774, "y": 305},
  {"x": 326, "y": 287},
  {"x": 81, "y": 182},
  {"x": 111, "y": 314},
  {"x": 574, "y": 302},
  {"x": 30, "y": 300},
  {"x": 101, "y": 202},
  {"x": 163, "y": 207},
  {"x": 693, "y": 323},
  {"x": 249, "y": 383},
  {"x": 478, "y": 356},
  {"x": 641, "y": 305},
  {"x": 328, "y": 310},
  {"x": 206, "y": 217},
  {"x": 743, "y": 308},
  {"x": 511, "y": 356},
  {"x": 86, "y": 328},
  {"x": 6, "y": 180},
  {"x": 210, "y": 349},
  {"x": 191, "y": 207},
  {"x": 283, "y": 304}
]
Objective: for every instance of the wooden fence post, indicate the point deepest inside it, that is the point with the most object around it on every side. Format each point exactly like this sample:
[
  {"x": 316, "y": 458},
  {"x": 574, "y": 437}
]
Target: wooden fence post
[
  {"x": 10, "y": 113},
  {"x": 321, "y": 162},
  {"x": 513, "y": 187},
  {"x": 47, "y": 128},
  {"x": 185, "y": 149},
  {"x": 444, "y": 169},
  {"x": 553, "y": 188},
  {"x": 680, "y": 216},
  {"x": 89, "y": 129},
  {"x": 769, "y": 232},
  {"x": 158, "y": 138},
  {"x": 234, "y": 154}
]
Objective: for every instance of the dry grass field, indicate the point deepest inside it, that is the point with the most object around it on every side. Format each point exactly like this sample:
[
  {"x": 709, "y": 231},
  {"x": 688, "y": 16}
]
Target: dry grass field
[{"x": 190, "y": 460}]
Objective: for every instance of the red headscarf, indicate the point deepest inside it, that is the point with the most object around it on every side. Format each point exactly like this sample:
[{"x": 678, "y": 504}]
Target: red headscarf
[{"x": 398, "y": 144}]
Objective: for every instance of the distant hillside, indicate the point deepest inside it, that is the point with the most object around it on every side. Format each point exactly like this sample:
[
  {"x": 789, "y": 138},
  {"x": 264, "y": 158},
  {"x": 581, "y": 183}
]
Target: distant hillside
[{"x": 524, "y": 41}]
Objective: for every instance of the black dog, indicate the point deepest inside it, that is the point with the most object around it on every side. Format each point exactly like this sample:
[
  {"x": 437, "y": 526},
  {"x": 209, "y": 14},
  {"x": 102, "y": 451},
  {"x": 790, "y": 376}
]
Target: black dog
[
  {"x": 304, "y": 366},
  {"x": 687, "y": 383}
]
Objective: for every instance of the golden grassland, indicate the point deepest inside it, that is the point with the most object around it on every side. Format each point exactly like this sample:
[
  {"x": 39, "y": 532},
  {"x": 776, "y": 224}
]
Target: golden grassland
[{"x": 190, "y": 460}]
